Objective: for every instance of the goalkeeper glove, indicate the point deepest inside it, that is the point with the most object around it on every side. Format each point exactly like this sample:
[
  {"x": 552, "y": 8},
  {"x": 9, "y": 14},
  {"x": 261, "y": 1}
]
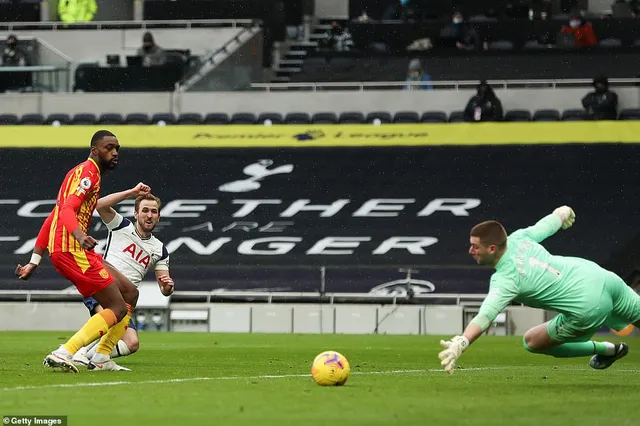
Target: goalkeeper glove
[
  {"x": 567, "y": 215},
  {"x": 452, "y": 351}
]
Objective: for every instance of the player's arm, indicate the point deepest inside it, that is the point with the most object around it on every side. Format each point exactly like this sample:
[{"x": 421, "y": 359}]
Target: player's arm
[
  {"x": 165, "y": 282},
  {"x": 69, "y": 210},
  {"x": 562, "y": 217},
  {"x": 24, "y": 272},
  {"x": 105, "y": 204},
  {"x": 501, "y": 293}
]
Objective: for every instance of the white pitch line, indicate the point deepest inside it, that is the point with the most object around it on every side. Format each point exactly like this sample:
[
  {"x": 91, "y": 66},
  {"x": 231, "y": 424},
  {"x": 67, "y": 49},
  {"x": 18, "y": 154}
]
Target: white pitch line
[
  {"x": 281, "y": 376},
  {"x": 198, "y": 379}
]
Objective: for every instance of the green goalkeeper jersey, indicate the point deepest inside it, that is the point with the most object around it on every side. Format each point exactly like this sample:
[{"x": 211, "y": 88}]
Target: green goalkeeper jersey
[{"x": 527, "y": 273}]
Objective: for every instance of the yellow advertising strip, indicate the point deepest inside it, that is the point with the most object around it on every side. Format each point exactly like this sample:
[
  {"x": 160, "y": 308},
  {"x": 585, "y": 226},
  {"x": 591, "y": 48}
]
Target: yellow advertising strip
[{"x": 301, "y": 136}]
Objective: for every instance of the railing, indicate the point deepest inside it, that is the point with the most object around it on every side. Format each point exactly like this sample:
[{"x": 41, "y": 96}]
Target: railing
[
  {"x": 31, "y": 296},
  {"x": 438, "y": 85},
  {"x": 110, "y": 25},
  {"x": 212, "y": 59}
]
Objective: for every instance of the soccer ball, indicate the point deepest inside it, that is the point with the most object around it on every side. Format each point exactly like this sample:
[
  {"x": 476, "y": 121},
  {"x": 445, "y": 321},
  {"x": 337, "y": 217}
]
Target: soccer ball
[{"x": 330, "y": 368}]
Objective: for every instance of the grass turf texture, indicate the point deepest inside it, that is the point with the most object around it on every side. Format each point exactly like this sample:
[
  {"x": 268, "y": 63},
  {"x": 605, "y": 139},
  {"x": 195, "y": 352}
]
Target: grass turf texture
[{"x": 223, "y": 379}]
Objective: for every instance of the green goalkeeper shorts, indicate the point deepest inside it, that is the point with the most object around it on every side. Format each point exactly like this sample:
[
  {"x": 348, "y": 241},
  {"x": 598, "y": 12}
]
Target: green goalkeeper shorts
[{"x": 616, "y": 307}]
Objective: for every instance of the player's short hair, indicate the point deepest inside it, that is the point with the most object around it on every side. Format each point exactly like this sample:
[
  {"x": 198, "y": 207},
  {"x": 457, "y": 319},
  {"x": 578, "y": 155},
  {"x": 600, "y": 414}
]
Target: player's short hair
[
  {"x": 99, "y": 135},
  {"x": 490, "y": 233},
  {"x": 150, "y": 197}
]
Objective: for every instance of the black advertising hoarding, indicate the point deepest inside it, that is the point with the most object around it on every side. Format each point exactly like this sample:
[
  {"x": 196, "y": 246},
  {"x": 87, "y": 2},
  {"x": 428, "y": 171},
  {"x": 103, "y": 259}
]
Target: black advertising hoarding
[{"x": 271, "y": 218}]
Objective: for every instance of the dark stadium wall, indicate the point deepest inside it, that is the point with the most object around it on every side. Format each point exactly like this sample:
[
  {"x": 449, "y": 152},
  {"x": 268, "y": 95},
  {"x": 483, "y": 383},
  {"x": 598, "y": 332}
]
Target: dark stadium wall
[{"x": 273, "y": 217}]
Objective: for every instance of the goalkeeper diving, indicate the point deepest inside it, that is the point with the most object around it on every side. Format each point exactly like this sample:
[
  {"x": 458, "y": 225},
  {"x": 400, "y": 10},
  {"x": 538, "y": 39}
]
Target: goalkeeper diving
[{"x": 586, "y": 295}]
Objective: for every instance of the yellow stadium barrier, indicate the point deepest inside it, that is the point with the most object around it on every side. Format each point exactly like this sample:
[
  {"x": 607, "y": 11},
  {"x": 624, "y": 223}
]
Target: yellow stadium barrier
[{"x": 259, "y": 136}]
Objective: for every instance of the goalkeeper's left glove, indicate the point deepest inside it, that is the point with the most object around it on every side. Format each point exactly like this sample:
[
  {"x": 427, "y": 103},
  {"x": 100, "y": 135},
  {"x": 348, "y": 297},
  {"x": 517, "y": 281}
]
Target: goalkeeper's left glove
[
  {"x": 567, "y": 215},
  {"x": 452, "y": 351}
]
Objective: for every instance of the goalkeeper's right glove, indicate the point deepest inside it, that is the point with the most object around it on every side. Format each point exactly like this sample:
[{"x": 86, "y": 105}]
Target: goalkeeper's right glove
[
  {"x": 452, "y": 352},
  {"x": 567, "y": 215}
]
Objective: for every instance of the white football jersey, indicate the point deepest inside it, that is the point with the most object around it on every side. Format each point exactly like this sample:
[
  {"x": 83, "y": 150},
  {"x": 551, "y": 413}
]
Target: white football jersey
[{"x": 132, "y": 254}]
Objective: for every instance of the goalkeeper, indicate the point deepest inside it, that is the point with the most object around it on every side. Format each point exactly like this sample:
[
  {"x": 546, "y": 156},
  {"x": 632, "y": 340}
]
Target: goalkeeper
[{"x": 585, "y": 295}]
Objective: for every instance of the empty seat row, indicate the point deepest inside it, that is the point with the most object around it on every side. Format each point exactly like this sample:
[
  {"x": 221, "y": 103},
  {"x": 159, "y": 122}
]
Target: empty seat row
[{"x": 406, "y": 117}]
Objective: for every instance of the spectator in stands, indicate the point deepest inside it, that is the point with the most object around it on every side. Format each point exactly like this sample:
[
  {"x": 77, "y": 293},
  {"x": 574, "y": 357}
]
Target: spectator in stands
[
  {"x": 460, "y": 34},
  {"x": 415, "y": 74},
  {"x": 581, "y": 30},
  {"x": 338, "y": 38},
  {"x": 540, "y": 9},
  {"x": 12, "y": 56},
  {"x": 484, "y": 106},
  {"x": 152, "y": 54},
  {"x": 601, "y": 104}
]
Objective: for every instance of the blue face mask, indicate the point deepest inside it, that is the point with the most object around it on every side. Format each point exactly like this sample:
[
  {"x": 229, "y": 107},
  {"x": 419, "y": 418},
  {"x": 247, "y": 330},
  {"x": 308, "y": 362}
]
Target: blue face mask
[
  {"x": 404, "y": 2},
  {"x": 457, "y": 21}
]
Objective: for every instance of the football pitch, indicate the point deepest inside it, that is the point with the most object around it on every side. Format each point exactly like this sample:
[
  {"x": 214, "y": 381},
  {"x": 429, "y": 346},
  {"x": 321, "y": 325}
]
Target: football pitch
[{"x": 263, "y": 379}]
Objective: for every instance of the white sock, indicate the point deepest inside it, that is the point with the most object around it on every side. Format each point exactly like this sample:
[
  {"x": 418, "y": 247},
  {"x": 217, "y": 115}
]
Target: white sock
[
  {"x": 98, "y": 357},
  {"x": 92, "y": 351},
  {"x": 611, "y": 348},
  {"x": 121, "y": 349}
]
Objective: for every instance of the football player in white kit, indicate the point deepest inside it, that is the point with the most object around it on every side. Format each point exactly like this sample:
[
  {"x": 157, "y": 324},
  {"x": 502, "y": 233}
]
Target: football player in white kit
[{"x": 133, "y": 250}]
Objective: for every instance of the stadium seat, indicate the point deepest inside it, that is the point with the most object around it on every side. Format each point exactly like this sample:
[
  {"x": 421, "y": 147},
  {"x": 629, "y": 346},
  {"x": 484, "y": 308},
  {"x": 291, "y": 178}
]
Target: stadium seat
[
  {"x": 8, "y": 119},
  {"x": 574, "y": 115},
  {"x": 216, "y": 118},
  {"x": 324, "y": 118},
  {"x": 456, "y": 117},
  {"x": 351, "y": 118},
  {"x": 111, "y": 118},
  {"x": 501, "y": 45},
  {"x": 610, "y": 42},
  {"x": 546, "y": 115},
  {"x": 137, "y": 118},
  {"x": 275, "y": 118},
  {"x": 533, "y": 45},
  {"x": 297, "y": 118},
  {"x": 32, "y": 119},
  {"x": 434, "y": 117},
  {"x": 384, "y": 117},
  {"x": 168, "y": 118},
  {"x": 406, "y": 117},
  {"x": 85, "y": 119},
  {"x": 192, "y": 118},
  {"x": 517, "y": 115},
  {"x": 60, "y": 118},
  {"x": 243, "y": 118},
  {"x": 630, "y": 114}
]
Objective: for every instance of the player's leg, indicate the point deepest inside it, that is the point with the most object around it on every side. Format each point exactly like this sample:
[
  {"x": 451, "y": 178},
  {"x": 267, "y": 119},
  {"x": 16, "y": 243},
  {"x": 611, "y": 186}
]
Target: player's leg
[
  {"x": 96, "y": 326},
  {"x": 128, "y": 345},
  {"x": 101, "y": 361},
  {"x": 561, "y": 339}
]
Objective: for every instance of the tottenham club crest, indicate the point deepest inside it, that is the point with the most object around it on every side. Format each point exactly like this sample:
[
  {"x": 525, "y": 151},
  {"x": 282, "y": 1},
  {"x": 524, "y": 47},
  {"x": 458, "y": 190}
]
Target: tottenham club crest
[{"x": 256, "y": 172}]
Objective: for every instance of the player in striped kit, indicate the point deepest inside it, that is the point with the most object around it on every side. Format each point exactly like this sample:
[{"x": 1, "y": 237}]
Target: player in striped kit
[
  {"x": 133, "y": 250},
  {"x": 64, "y": 234}
]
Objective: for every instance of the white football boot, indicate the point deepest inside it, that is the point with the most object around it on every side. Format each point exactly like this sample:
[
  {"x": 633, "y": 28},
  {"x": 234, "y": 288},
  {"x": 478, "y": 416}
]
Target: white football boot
[
  {"x": 80, "y": 357},
  {"x": 62, "y": 359},
  {"x": 102, "y": 362}
]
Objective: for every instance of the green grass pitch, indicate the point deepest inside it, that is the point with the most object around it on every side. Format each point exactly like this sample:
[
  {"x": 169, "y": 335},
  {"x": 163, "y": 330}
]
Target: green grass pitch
[{"x": 263, "y": 379}]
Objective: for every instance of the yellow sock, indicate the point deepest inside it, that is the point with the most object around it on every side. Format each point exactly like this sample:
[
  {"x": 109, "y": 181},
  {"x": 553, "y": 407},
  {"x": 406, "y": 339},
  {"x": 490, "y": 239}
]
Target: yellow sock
[
  {"x": 98, "y": 325},
  {"x": 115, "y": 333}
]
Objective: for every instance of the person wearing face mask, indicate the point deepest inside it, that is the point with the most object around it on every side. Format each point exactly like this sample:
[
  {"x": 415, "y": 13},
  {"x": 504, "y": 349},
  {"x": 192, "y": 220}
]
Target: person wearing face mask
[
  {"x": 484, "y": 106},
  {"x": 460, "y": 35},
  {"x": 152, "y": 54},
  {"x": 12, "y": 56},
  {"x": 601, "y": 104},
  {"x": 416, "y": 74},
  {"x": 581, "y": 30}
]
